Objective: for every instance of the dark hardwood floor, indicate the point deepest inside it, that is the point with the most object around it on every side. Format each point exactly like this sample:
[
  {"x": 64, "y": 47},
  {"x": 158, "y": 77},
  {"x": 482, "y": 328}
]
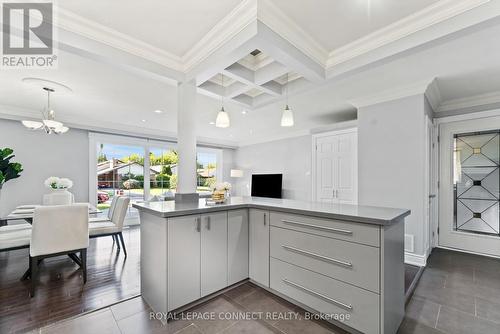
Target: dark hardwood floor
[{"x": 60, "y": 292}]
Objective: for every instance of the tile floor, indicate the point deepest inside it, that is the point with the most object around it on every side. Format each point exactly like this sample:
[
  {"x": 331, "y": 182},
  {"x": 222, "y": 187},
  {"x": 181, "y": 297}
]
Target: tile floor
[
  {"x": 457, "y": 294},
  {"x": 133, "y": 316}
]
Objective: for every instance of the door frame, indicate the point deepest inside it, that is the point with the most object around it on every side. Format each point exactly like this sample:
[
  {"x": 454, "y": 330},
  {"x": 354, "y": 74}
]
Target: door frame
[
  {"x": 315, "y": 138},
  {"x": 448, "y": 127}
]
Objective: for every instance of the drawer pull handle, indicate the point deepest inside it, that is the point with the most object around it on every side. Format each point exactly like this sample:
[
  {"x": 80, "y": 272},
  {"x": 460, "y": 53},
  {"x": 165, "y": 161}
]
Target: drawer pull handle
[
  {"x": 318, "y": 256},
  {"x": 317, "y": 294},
  {"x": 329, "y": 229}
]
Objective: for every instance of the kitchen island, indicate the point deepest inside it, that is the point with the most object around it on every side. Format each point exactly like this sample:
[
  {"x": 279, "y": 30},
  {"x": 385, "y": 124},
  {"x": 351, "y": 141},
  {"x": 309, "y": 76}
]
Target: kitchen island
[{"x": 343, "y": 261}]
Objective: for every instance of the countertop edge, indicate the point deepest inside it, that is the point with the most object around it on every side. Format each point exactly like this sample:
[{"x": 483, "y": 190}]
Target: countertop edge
[{"x": 356, "y": 219}]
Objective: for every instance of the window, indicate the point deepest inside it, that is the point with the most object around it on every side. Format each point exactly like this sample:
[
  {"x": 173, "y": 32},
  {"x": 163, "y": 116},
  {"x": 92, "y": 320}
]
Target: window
[
  {"x": 120, "y": 171},
  {"x": 163, "y": 175},
  {"x": 477, "y": 182},
  {"x": 141, "y": 169}
]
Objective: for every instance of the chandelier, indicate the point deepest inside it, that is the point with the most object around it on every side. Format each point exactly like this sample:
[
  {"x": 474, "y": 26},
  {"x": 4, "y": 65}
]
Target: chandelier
[{"x": 48, "y": 122}]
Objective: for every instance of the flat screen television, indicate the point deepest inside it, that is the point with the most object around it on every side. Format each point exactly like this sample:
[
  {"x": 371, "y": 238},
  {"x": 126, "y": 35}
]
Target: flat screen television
[{"x": 267, "y": 185}]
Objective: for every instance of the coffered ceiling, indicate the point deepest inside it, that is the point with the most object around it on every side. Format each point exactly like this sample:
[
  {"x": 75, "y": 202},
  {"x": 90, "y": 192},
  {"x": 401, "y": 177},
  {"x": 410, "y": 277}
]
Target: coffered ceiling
[{"x": 123, "y": 60}]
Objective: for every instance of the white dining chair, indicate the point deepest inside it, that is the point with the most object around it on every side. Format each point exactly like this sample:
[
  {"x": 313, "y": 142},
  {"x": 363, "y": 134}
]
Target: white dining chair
[
  {"x": 109, "y": 216},
  {"x": 59, "y": 230},
  {"x": 114, "y": 227}
]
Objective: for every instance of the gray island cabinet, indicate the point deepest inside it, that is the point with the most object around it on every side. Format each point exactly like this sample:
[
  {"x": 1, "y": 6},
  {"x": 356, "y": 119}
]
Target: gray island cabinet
[{"x": 344, "y": 262}]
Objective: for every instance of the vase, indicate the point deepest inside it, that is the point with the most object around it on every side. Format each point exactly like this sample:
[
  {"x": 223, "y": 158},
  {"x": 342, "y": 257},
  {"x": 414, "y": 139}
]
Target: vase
[{"x": 58, "y": 197}]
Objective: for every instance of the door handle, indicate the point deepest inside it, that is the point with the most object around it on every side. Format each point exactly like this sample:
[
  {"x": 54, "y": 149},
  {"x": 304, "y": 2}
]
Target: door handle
[
  {"x": 208, "y": 222},
  {"x": 198, "y": 224}
]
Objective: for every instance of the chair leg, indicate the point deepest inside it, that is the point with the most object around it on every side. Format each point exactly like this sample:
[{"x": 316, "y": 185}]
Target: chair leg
[
  {"x": 83, "y": 256},
  {"x": 113, "y": 237},
  {"x": 34, "y": 274},
  {"x": 117, "y": 241},
  {"x": 123, "y": 243}
]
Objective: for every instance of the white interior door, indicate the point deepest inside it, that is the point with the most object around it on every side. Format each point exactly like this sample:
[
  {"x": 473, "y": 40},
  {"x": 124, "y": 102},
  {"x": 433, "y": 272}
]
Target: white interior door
[
  {"x": 336, "y": 167},
  {"x": 469, "y": 191}
]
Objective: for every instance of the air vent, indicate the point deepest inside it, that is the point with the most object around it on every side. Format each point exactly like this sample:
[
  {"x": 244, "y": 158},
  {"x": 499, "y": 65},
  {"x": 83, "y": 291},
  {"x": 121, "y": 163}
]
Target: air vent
[{"x": 409, "y": 243}]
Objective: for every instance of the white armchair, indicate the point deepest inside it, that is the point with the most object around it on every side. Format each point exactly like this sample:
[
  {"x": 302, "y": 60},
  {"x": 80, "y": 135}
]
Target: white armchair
[
  {"x": 59, "y": 230},
  {"x": 113, "y": 227}
]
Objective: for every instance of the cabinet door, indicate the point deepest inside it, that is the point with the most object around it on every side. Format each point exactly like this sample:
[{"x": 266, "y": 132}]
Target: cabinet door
[
  {"x": 259, "y": 246},
  {"x": 336, "y": 168},
  {"x": 183, "y": 260},
  {"x": 346, "y": 169},
  {"x": 326, "y": 159},
  {"x": 213, "y": 252},
  {"x": 237, "y": 247}
]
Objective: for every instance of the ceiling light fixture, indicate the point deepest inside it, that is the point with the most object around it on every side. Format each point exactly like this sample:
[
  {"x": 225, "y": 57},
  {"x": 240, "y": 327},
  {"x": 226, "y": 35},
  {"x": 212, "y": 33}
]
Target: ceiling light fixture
[
  {"x": 48, "y": 122},
  {"x": 158, "y": 111},
  {"x": 287, "y": 115},
  {"x": 222, "y": 120}
]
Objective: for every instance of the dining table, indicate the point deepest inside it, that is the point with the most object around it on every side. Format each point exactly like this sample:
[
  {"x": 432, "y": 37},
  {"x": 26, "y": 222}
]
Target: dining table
[{"x": 26, "y": 213}]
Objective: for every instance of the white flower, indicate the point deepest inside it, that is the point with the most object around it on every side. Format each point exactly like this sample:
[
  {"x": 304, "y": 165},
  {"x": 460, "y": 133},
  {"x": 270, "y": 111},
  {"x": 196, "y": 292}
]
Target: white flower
[
  {"x": 225, "y": 186},
  {"x": 52, "y": 182},
  {"x": 65, "y": 183}
]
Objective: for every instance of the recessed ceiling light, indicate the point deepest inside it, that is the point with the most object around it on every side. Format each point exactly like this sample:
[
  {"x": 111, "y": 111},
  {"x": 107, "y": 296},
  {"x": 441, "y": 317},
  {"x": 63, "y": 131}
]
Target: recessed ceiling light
[
  {"x": 158, "y": 111},
  {"x": 211, "y": 123},
  {"x": 143, "y": 121},
  {"x": 244, "y": 112}
]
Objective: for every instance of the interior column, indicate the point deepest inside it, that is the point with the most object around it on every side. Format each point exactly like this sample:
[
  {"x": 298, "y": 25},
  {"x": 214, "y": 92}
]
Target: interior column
[{"x": 186, "y": 142}]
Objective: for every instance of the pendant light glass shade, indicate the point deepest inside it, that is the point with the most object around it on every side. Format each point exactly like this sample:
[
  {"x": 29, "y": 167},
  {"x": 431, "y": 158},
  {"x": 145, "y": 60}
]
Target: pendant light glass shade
[
  {"x": 287, "y": 117},
  {"x": 32, "y": 125},
  {"x": 222, "y": 120}
]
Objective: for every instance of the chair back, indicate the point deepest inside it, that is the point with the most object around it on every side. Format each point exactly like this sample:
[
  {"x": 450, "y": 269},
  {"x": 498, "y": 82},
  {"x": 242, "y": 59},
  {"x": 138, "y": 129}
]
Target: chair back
[
  {"x": 58, "y": 229},
  {"x": 112, "y": 207},
  {"x": 120, "y": 211}
]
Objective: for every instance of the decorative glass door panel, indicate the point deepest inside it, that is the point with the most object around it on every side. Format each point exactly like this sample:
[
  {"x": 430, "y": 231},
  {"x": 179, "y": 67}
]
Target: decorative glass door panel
[{"x": 476, "y": 182}]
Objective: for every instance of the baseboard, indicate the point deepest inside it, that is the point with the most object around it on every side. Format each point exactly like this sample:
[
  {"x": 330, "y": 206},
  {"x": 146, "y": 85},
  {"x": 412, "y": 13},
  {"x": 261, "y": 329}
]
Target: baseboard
[{"x": 416, "y": 259}]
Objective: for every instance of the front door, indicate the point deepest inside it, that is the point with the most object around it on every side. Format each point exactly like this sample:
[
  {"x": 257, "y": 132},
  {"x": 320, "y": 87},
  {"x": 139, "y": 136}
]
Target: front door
[{"x": 469, "y": 192}]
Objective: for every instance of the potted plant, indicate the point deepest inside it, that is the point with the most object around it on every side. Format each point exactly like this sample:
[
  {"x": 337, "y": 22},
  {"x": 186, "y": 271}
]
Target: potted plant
[{"x": 8, "y": 171}]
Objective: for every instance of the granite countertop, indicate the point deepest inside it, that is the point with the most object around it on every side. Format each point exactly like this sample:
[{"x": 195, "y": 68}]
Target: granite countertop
[{"x": 357, "y": 213}]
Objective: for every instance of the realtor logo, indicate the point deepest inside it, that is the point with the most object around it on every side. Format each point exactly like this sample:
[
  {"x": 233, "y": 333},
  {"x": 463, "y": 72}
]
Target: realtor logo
[{"x": 28, "y": 35}]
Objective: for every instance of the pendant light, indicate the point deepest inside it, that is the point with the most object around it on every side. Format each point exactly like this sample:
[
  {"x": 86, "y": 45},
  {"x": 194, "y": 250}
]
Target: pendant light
[
  {"x": 222, "y": 120},
  {"x": 287, "y": 115},
  {"x": 48, "y": 123}
]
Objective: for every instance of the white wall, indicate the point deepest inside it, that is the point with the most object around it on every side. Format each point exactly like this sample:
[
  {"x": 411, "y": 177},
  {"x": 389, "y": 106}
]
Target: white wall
[
  {"x": 291, "y": 157},
  {"x": 42, "y": 156},
  {"x": 391, "y": 153}
]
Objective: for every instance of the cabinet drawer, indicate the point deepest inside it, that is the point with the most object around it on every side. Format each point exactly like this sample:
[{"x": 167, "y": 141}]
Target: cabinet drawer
[
  {"x": 355, "y": 232},
  {"x": 346, "y": 261},
  {"x": 332, "y": 298}
]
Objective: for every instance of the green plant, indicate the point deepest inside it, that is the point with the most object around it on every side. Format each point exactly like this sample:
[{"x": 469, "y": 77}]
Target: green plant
[{"x": 8, "y": 170}]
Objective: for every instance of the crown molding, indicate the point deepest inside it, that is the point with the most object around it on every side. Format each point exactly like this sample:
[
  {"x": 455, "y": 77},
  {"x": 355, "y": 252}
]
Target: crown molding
[
  {"x": 425, "y": 18},
  {"x": 227, "y": 28},
  {"x": 70, "y": 21},
  {"x": 275, "y": 19},
  {"x": 469, "y": 102},
  {"x": 418, "y": 88},
  {"x": 433, "y": 95}
]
